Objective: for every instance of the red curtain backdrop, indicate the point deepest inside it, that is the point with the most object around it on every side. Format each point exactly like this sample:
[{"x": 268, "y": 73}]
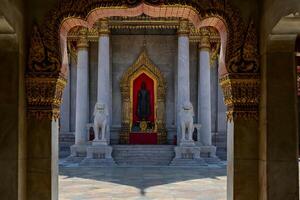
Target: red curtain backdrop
[{"x": 137, "y": 83}]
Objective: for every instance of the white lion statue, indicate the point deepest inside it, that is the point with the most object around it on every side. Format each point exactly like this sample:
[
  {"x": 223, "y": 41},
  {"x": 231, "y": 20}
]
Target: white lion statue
[
  {"x": 187, "y": 121},
  {"x": 100, "y": 121}
]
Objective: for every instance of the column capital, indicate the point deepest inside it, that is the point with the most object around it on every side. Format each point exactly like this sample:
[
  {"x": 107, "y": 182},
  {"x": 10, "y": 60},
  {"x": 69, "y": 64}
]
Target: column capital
[
  {"x": 83, "y": 41},
  {"x": 44, "y": 96},
  {"x": 204, "y": 43},
  {"x": 103, "y": 28},
  {"x": 184, "y": 28},
  {"x": 241, "y": 95}
]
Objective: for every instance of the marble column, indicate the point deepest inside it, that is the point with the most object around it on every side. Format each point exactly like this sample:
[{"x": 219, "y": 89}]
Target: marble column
[
  {"x": 183, "y": 69},
  {"x": 103, "y": 64},
  {"x": 204, "y": 93},
  {"x": 183, "y": 73},
  {"x": 103, "y": 92},
  {"x": 82, "y": 88}
]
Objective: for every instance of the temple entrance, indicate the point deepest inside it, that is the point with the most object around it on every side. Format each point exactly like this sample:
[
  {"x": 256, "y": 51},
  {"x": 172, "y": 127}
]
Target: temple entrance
[
  {"x": 143, "y": 96},
  {"x": 187, "y": 24}
]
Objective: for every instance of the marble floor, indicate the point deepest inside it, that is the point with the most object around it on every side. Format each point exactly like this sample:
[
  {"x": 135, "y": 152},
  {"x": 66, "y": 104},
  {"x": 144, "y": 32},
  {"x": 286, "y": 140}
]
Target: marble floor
[{"x": 142, "y": 183}]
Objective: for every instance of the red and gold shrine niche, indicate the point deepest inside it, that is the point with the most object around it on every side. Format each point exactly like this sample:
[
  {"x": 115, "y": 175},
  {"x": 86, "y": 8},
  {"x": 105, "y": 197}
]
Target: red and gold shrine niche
[
  {"x": 143, "y": 103},
  {"x": 143, "y": 115}
]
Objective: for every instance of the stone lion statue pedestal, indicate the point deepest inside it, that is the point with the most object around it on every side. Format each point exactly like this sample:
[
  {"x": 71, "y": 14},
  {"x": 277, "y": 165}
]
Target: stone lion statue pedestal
[
  {"x": 99, "y": 153},
  {"x": 187, "y": 156},
  {"x": 187, "y": 153},
  {"x": 208, "y": 152}
]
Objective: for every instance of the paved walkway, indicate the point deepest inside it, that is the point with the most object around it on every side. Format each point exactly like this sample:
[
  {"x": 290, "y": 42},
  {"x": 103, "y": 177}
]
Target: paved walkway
[{"x": 142, "y": 183}]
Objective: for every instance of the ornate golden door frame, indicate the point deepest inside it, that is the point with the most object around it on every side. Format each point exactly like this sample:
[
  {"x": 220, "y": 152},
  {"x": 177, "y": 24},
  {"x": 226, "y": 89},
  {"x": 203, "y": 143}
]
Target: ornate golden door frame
[
  {"x": 140, "y": 71},
  {"x": 143, "y": 65}
]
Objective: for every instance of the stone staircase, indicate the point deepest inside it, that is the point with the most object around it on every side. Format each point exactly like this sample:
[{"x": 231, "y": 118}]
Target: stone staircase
[
  {"x": 143, "y": 155},
  {"x": 66, "y": 140}
]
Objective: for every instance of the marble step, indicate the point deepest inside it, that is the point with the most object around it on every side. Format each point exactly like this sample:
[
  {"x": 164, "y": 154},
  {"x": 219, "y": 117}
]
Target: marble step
[
  {"x": 188, "y": 162},
  {"x": 143, "y": 155},
  {"x": 66, "y": 137},
  {"x": 141, "y": 158},
  {"x": 143, "y": 164},
  {"x": 143, "y": 147},
  {"x": 65, "y": 141},
  {"x": 97, "y": 162}
]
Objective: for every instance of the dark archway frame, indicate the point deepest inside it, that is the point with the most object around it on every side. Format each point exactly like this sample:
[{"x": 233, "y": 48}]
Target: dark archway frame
[{"x": 239, "y": 78}]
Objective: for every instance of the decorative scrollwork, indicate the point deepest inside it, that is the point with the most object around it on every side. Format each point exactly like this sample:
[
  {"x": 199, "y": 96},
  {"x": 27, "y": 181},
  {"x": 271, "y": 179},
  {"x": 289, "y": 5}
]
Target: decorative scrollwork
[
  {"x": 245, "y": 60},
  {"x": 241, "y": 95},
  {"x": 44, "y": 96},
  {"x": 241, "y": 54},
  {"x": 103, "y": 28},
  {"x": 184, "y": 28},
  {"x": 41, "y": 59}
]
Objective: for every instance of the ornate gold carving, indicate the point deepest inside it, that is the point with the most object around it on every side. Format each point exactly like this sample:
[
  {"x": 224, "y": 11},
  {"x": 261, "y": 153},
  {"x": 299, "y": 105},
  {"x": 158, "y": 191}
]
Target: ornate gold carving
[
  {"x": 184, "y": 27},
  {"x": 41, "y": 59},
  {"x": 83, "y": 42},
  {"x": 241, "y": 95},
  {"x": 143, "y": 126},
  {"x": 72, "y": 51},
  {"x": 44, "y": 96},
  {"x": 143, "y": 65},
  {"x": 44, "y": 85},
  {"x": 103, "y": 28},
  {"x": 146, "y": 22},
  {"x": 215, "y": 51},
  {"x": 143, "y": 22},
  {"x": 204, "y": 43},
  {"x": 245, "y": 60}
]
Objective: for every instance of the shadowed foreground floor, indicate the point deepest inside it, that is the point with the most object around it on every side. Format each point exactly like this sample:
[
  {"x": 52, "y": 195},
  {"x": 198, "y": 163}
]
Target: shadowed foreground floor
[{"x": 142, "y": 183}]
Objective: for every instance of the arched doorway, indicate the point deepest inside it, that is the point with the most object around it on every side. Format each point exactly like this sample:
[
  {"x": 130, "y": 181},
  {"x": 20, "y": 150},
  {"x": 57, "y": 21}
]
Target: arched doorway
[{"x": 238, "y": 69}]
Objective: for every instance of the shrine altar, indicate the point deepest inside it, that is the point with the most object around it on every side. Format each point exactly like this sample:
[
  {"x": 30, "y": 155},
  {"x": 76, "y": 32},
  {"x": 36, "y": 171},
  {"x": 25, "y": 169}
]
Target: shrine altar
[{"x": 143, "y": 90}]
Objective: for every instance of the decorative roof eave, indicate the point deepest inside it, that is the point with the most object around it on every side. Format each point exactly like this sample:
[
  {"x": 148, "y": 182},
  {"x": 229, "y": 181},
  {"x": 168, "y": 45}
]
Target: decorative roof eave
[{"x": 146, "y": 22}]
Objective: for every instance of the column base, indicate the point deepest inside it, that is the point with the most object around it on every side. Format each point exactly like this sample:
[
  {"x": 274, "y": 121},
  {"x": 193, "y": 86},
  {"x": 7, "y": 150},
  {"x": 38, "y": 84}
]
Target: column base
[{"x": 98, "y": 155}]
